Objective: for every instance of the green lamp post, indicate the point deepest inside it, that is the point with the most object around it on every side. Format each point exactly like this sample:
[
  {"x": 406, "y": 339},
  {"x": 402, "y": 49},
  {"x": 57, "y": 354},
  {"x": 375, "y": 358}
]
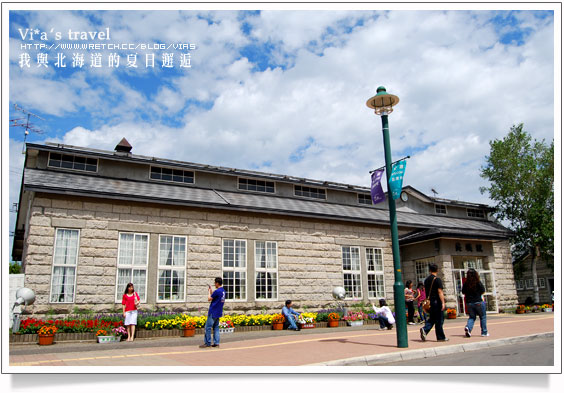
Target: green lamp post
[{"x": 383, "y": 103}]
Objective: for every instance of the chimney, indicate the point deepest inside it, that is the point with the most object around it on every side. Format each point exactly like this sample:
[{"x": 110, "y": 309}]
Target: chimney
[{"x": 123, "y": 147}]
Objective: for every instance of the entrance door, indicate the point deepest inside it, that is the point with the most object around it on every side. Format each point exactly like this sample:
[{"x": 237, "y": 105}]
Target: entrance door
[
  {"x": 487, "y": 277},
  {"x": 459, "y": 276}
]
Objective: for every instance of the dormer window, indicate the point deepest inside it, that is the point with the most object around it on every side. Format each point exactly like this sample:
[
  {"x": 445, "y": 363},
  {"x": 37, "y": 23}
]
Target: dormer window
[
  {"x": 364, "y": 199},
  {"x": 440, "y": 209},
  {"x": 256, "y": 185},
  {"x": 173, "y": 175},
  {"x": 478, "y": 213},
  {"x": 70, "y": 161},
  {"x": 310, "y": 192}
]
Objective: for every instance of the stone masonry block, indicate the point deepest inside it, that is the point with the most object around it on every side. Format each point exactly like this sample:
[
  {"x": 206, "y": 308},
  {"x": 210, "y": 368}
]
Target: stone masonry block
[
  {"x": 107, "y": 216},
  {"x": 121, "y": 209},
  {"x": 44, "y": 202},
  {"x": 66, "y": 204},
  {"x": 42, "y": 231},
  {"x": 97, "y": 224},
  {"x": 40, "y": 240},
  {"x": 98, "y": 207},
  {"x": 40, "y": 221},
  {"x": 132, "y": 217},
  {"x": 145, "y": 210}
]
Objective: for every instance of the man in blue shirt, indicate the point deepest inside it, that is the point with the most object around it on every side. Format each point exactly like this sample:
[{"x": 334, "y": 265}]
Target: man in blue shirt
[
  {"x": 217, "y": 299},
  {"x": 289, "y": 313}
]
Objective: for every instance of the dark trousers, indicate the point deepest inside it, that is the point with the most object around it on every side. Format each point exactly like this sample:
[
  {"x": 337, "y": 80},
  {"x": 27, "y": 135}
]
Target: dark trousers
[
  {"x": 436, "y": 318},
  {"x": 410, "y": 311}
]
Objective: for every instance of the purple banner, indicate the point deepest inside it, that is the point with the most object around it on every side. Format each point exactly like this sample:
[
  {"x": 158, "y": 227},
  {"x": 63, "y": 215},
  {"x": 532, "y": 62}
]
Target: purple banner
[{"x": 376, "y": 188}]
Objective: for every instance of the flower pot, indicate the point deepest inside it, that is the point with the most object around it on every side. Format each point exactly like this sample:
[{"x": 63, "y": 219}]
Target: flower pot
[
  {"x": 226, "y": 330},
  {"x": 189, "y": 332},
  {"x": 46, "y": 339},
  {"x": 547, "y": 309},
  {"x": 520, "y": 311},
  {"x": 451, "y": 316},
  {"x": 108, "y": 339},
  {"x": 277, "y": 326},
  {"x": 355, "y": 323},
  {"x": 307, "y": 325},
  {"x": 334, "y": 323}
]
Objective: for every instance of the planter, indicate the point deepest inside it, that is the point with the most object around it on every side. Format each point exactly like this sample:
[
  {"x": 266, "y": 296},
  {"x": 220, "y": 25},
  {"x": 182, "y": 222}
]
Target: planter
[
  {"x": 451, "y": 316},
  {"x": 226, "y": 330},
  {"x": 333, "y": 324},
  {"x": 307, "y": 325},
  {"x": 277, "y": 326},
  {"x": 46, "y": 339},
  {"x": 188, "y": 332},
  {"x": 108, "y": 339},
  {"x": 547, "y": 309},
  {"x": 355, "y": 323},
  {"x": 519, "y": 311}
]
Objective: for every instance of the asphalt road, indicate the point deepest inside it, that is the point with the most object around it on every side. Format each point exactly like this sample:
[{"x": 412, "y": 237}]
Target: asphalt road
[{"x": 535, "y": 353}]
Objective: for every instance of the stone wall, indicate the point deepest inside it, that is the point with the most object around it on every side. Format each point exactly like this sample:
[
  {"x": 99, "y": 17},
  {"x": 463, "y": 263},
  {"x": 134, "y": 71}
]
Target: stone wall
[{"x": 309, "y": 252}]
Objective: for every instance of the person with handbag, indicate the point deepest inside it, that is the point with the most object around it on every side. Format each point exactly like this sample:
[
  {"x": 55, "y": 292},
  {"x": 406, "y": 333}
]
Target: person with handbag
[
  {"x": 130, "y": 301},
  {"x": 473, "y": 289},
  {"x": 408, "y": 292},
  {"x": 436, "y": 303}
]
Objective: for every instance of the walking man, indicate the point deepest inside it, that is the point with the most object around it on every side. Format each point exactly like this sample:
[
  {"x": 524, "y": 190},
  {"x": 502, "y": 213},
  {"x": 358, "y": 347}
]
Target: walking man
[
  {"x": 217, "y": 299},
  {"x": 434, "y": 289}
]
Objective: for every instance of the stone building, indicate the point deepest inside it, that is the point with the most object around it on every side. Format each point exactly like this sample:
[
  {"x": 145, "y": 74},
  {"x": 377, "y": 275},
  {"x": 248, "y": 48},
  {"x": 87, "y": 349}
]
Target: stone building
[
  {"x": 524, "y": 280},
  {"x": 91, "y": 221}
]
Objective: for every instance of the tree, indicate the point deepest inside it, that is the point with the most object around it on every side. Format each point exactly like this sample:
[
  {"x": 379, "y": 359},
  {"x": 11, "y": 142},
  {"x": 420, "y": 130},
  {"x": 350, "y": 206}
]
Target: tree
[
  {"x": 521, "y": 175},
  {"x": 15, "y": 268}
]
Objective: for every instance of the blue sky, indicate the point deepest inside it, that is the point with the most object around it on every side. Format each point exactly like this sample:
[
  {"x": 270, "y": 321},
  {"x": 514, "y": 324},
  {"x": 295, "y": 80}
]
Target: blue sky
[{"x": 285, "y": 91}]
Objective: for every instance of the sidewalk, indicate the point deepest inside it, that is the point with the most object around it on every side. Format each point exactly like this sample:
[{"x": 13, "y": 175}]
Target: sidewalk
[{"x": 337, "y": 346}]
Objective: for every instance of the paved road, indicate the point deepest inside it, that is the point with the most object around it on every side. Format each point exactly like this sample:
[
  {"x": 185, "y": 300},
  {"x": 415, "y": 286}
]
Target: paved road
[
  {"x": 271, "y": 348},
  {"x": 535, "y": 353}
]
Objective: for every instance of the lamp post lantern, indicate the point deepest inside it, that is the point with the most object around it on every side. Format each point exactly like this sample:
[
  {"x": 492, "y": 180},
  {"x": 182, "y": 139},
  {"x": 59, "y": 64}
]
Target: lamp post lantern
[{"x": 383, "y": 104}]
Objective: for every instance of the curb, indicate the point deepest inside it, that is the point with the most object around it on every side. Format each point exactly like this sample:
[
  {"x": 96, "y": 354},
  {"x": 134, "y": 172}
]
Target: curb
[{"x": 382, "y": 359}]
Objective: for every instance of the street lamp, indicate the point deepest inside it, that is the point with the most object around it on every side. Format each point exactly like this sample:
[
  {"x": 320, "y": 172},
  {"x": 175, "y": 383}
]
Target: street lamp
[{"x": 383, "y": 104}]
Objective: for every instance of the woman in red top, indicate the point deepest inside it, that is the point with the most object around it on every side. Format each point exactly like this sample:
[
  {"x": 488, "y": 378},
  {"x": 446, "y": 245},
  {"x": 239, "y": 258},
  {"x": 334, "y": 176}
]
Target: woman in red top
[{"x": 129, "y": 302}]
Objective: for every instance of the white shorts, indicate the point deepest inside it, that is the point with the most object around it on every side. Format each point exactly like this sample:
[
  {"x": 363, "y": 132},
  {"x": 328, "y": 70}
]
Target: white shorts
[{"x": 130, "y": 318}]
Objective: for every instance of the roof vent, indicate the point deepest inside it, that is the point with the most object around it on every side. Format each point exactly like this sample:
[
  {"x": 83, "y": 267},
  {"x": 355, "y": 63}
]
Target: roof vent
[{"x": 123, "y": 146}]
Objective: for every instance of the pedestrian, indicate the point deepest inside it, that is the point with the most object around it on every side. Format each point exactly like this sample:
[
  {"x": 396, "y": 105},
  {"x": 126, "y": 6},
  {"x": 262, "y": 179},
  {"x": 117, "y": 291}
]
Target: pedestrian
[
  {"x": 420, "y": 297},
  {"x": 473, "y": 289},
  {"x": 434, "y": 291},
  {"x": 384, "y": 315},
  {"x": 129, "y": 302},
  {"x": 217, "y": 299},
  {"x": 289, "y": 313},
  {"x": 409, "y": 302}
]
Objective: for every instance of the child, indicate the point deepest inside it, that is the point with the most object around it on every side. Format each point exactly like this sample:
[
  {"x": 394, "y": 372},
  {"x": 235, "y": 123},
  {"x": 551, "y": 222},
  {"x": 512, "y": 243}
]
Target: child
[
  {"x": 421, "y": 296},
  {"x": 385, "y": 315},
  {"x": 129, "y": 302}
]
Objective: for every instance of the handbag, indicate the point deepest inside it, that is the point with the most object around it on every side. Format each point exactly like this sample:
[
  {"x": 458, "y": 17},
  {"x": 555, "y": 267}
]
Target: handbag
[{"x": 427, "y": 302}]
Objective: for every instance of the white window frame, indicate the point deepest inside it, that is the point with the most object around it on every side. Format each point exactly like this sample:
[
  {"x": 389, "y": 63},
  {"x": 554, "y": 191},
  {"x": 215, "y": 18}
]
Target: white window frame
[
  {"x": 250, "y": 178},
  {"x": 239, "y": 269},
  {"x": 519, "y": 284},
  {"x": 74, "y": 156},
  {"x": 173, "y": 169},
  {"x": 352, "y": 272},
  {"x": 364, "y": 197},
  {"x": 529, "y": 283},
  {"x": 266, "y": 269},
  {"x": 475, "y": 213},
  {"x": 374, "y": 272},
  {"x": 171, "y": 268},
  {"x": 309, "y": 197},
  {"x": 440, "y": 204},
  {"x": 132, "y": 267},
  {"x": 53, "y": 265},
  {"x": 542, "y": 282},
  {"x": 425, "y": 272}
]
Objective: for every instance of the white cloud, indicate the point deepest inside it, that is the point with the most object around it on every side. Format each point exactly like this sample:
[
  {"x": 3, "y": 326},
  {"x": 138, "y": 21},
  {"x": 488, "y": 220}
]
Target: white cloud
[{"x": 458, "y": 86}]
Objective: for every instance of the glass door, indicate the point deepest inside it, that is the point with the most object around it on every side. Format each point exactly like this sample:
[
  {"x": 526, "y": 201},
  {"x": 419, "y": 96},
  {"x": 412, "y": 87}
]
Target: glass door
[
  {"x": 459, "y": 276},
  {"x": 487, "y": 277}
]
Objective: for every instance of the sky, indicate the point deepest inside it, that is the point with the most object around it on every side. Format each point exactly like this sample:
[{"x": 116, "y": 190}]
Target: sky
[{"x": 285, "y": 91}]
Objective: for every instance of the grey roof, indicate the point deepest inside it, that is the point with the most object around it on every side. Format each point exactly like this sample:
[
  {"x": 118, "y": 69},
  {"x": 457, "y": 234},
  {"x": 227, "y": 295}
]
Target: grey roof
[{"x": 52, "y": 181}]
